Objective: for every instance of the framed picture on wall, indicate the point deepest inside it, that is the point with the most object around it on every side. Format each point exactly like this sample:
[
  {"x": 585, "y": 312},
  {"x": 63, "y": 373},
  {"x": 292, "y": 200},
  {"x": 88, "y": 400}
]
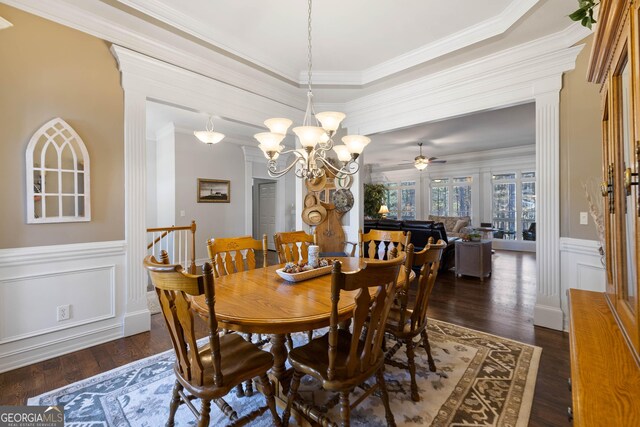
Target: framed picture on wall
[{"x": 214, "y": 191}]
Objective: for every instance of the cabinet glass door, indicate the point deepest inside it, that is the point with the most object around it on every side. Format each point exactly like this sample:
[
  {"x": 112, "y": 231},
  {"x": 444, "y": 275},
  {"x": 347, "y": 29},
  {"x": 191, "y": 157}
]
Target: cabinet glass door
[{"x": 628, "y": 202}]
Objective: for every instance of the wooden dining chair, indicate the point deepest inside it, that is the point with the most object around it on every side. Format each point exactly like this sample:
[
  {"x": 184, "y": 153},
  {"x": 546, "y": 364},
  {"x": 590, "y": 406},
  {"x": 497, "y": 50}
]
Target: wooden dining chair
[
  {"x": 208, "y": 371},
  {"x": 293, "y": 246},
  {"x": 408, "y": 316},
  {"x": 376, "y": 244},
  {"x": 234, "y": 254},
  {"x": 341, "y": 359}
]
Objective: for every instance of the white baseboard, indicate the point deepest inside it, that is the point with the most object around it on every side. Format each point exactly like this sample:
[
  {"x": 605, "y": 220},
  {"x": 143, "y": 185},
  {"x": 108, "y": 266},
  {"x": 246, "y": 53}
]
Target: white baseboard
[
  {"x": 136, "y": 322},
  {"x": 26, "y": 355},
  {"x": 548, "y": 317}
]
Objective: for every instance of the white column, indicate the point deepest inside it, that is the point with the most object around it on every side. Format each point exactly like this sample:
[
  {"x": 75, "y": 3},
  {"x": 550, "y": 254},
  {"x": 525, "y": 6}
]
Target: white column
[
  {"x": 248, "y": 194},
  {"x": 548, "y": 311},
  {"x": 137, "y": 317}
]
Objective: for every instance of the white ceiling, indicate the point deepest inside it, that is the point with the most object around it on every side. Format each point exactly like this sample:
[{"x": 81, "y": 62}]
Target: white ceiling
[
  {"x": 356, "y": 41},
  {"x": 489, "y": 130}
]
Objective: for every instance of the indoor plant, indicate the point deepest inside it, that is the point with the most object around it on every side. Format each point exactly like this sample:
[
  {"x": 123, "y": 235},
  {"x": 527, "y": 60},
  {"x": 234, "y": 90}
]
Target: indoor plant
[{"x": 374, "y": 197}]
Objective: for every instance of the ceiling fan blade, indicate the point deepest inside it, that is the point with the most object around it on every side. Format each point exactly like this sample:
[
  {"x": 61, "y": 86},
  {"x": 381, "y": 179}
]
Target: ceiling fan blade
[
  {"x": 431, "y": 158},
  {"x": 438, "y": 161}
]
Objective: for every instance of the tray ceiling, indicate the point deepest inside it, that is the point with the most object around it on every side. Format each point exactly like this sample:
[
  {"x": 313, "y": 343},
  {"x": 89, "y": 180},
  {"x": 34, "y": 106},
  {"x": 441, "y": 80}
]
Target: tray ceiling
[{"x": 354, "y": 42}]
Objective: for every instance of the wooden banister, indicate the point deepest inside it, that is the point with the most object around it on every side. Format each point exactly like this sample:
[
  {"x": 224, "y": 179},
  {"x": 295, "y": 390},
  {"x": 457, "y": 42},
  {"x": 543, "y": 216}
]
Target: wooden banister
[
  {"x": 172, "y": 229},
  {"x": 162, "y": 236}
]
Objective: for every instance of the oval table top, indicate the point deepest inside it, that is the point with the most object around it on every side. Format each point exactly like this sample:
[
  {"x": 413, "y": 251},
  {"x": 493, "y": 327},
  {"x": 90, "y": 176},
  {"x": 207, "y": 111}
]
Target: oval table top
[{"x": 260, "y": 301}]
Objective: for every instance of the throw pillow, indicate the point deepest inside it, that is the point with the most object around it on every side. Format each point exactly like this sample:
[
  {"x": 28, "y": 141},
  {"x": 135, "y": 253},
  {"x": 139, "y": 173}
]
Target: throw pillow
[{"x": 460, "y": 224}]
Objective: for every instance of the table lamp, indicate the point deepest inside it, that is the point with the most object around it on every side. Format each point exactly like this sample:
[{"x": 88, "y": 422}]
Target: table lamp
[{"x": 384, "y": 210}]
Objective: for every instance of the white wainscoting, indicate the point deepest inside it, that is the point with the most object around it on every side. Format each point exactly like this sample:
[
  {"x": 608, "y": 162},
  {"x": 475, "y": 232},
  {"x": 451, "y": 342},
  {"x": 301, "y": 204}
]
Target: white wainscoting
[
  {"x": 89, "y": 277},
  {"x": 580, "y": 268}
]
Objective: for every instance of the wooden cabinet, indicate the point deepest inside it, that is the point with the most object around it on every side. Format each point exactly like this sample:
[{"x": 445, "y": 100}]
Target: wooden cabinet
[
  {"x": 611, "y": 321},
  {"x": 615, "y": 64}
]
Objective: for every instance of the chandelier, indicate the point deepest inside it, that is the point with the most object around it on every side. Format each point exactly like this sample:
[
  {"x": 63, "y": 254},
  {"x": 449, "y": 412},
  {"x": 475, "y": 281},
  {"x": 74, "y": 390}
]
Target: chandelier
[
  {"x": 315, "y": 136},
  {"x": 208, "y": 136}
]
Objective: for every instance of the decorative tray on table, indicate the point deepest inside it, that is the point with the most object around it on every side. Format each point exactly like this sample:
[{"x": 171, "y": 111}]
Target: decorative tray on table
[{"x": 292, "y": 272}]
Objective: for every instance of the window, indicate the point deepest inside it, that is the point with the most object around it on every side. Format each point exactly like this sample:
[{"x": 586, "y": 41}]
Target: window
[
  {"x": 57, "y": 175},
  {"x": 440, "y": 196},
  {"x": 451, "y": 196},
  {"x": 528, "y": 199},
  {"x": 401, "y": 200},
  {"x": 461, "y": 203},
  {"x": 514, "y": 202}
]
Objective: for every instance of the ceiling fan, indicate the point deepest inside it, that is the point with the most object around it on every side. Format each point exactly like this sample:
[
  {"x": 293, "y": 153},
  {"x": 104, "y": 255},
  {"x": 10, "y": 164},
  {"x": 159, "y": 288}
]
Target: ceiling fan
[{"x": 421, "y": 162}]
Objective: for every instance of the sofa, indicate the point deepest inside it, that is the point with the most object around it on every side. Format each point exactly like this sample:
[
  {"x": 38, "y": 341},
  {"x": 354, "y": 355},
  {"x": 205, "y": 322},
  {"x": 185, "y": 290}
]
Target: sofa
[
  {"x": 453, "y": 224},
  {"x": 421, "y": 231}
]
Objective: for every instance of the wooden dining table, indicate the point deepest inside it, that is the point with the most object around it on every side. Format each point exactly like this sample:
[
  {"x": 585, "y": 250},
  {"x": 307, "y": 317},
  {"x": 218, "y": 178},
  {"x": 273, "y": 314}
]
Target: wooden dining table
[{"x": 261, "y": 302}]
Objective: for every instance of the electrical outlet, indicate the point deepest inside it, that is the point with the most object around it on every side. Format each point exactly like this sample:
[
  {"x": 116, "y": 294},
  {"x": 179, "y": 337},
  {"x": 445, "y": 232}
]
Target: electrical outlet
[
  {"x": 63, "y": 312},
  {"x": 584, "y": 218},
  {"x": 181, "y": 213}
]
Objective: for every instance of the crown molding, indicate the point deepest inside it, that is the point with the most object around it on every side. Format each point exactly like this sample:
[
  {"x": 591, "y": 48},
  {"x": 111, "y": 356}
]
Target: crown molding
[
  {"x": 562, "y": 39},
  {"x": 486, "y": 29},
  {"x": 183, "y": 22},
  {"x": 115, "y": 26},
  {"x": 4, "y": 23},
  {"x": 507, "y": 78},
  {"x": 159, "y": 80}
]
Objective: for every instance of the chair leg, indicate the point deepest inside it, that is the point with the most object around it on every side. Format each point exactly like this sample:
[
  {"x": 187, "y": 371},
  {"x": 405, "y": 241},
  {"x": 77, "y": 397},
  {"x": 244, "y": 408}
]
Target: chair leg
[
  {"x": 175, "y": 402},
  {"x": 310, "y": 335},
  {"x": 425, "y": 344},
  {"x": 345, "y": 417},
  {"x": 385, "y": 397},
  {"x": 204, "y": 413},
  {"x": 267, "y": 389},
  {"x": 239, "y": 391},
  {"x": 412, "y": 370},
  {"x": 248, "y": 388},
  {"x": 293, "y": 393}
]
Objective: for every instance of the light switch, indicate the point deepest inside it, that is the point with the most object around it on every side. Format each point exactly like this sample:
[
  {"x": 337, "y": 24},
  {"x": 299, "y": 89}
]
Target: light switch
[
  {"x": 584, "y": 218},
  {"x": 181, "y": 213}
]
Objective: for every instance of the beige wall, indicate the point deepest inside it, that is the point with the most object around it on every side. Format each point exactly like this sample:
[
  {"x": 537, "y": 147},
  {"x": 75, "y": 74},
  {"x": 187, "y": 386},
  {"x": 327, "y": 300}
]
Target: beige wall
[
  {"x": 580, "y": 155},
  {"x": 48, "y": 71}
]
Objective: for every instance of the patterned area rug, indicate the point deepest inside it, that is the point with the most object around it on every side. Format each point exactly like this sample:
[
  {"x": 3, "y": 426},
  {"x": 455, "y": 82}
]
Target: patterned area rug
[{"x": 482, "y": 380}]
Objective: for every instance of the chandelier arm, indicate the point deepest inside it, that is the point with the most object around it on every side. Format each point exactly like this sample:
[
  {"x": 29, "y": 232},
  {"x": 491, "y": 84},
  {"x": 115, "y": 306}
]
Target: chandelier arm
[
  {"x": 325, "y": 146},
  {"x": 347, "y": 168},
  {"x": 294, "y": 151},
  {"x": 273, "y": 168}
]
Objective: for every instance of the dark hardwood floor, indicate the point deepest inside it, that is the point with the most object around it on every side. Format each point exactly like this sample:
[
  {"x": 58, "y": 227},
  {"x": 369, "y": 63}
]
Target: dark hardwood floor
[{"x": 502, "y": 305}]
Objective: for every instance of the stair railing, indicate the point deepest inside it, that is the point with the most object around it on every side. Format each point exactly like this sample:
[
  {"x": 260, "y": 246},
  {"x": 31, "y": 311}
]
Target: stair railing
[{"x": 179, "y": 242}]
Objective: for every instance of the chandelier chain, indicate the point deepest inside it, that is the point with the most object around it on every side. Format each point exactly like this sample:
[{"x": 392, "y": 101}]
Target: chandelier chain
[{"x": 309, "y": 58}]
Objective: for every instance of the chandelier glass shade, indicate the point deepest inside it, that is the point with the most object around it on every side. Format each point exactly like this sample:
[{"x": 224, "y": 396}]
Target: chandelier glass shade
[
  {"x": 315, "y": 136},
  {"x": 208, "y": 136}
]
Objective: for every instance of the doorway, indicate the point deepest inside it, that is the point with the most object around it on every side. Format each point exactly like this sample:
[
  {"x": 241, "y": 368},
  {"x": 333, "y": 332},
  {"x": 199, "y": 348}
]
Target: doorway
[{"x": 264, "y": 212}]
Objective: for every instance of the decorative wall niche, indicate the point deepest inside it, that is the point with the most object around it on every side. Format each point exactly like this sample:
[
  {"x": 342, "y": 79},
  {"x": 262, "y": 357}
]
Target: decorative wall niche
[{"x": 58, "y": 187}]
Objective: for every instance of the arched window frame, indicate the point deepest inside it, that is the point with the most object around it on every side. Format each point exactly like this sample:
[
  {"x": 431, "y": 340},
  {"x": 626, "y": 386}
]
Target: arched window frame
[{"x": 48, "y": 136}]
